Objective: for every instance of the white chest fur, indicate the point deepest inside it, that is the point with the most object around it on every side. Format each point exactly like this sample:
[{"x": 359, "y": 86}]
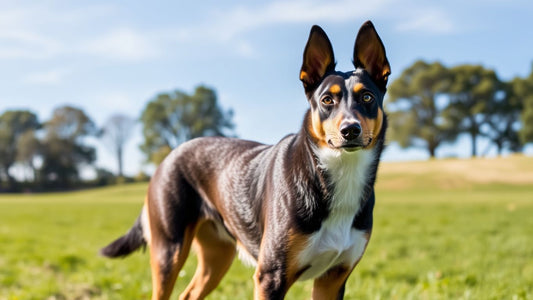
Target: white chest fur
[{"x": 337, "y": 242}]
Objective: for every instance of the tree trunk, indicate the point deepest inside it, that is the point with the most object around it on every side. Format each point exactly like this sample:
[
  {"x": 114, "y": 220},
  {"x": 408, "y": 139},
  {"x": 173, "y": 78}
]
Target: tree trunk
[
  {"x": 473, "y": 136},
  {"x": 119, "y": 159},
  {"x": 11, "y": 183},
  {"x": 499, "y": 148},
  {"x": 432, "y": 149}
]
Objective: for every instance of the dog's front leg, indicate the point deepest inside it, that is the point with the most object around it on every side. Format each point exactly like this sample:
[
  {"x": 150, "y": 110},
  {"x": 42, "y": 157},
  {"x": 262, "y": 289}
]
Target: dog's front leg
[{"x": 272, "y": 278}]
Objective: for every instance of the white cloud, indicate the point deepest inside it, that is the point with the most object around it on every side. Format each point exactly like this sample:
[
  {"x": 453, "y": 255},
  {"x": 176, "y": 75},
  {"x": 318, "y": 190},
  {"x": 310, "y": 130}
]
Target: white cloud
[
  {"x": 20, "y": 44},
  {"x": 113, "y": 101},
  {"x": 298, "y": 11},
  {"x": 40, "y": 30},
  {"x": 245, "y": 49},
  {"x": 428, "y": 21},
  {"x": 230, "y": 23},
  {"x": 229, "y": 26},
  {"x": 226, "y": 27},
  {"x": 44, "y": 14},
  {"x": 122, "y": 44},
  {"x": 51, "y": 77},
  {"x": 43, "y": 31}
]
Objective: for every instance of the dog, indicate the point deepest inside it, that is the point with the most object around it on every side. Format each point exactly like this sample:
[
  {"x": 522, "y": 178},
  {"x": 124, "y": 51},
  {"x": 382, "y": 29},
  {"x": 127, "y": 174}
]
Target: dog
[{"x": 300, "y": 209}]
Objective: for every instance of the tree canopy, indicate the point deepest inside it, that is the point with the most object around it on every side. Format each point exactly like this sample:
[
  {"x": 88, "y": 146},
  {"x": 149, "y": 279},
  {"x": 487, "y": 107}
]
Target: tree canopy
[
  {"x": 430, "y": 104},
  {"x": 523, "y": 93},
  {"x": 416, "y": 118},
  {"x": 473, "y": 90},
  {"x": 13, "y": 125},
  {"x": 173, "y": 118},
  {"x": 64, "y": 149}
]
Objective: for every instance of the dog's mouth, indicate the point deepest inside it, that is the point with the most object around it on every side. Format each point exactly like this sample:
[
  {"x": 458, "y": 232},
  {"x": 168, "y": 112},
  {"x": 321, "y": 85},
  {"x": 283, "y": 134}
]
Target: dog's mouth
[{"x": 350, "y": 146}]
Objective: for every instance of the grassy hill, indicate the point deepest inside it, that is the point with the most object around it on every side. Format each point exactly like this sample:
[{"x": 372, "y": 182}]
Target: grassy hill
[
  {"x": 444, "y": 229},
  {"x": 456, "y": 173}
]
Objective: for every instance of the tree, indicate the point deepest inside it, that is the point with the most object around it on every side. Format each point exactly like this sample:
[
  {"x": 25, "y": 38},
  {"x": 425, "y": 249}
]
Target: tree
[
  {"x": 472, "y": 91},
  {"x": 13, "y": 124},
  {"x": 523, "y": 91},
  {"x": 104, "y": 177},
  {"x": 503, "y": 120},
  {"x": 64, "y": 150},
  {"x": 171, "y": 119},
  {"x": 415, "y": 116},
  {"x": 115, "y": 133},
  {"x": 28, "y": 149}
]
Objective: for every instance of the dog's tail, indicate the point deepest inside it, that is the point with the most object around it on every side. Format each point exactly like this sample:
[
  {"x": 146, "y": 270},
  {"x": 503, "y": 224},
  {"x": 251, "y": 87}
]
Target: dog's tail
[{"x": 126, "y": 244}]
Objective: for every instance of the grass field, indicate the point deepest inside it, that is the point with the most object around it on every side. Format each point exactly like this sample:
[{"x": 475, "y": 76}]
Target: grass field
[{"x": 446, "y": 229}]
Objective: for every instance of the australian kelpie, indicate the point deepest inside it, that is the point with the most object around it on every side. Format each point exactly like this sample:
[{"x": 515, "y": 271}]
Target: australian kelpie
[{"x": 297, "y": 210}]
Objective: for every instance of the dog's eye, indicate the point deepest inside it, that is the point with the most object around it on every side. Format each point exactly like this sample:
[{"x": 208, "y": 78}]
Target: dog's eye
[
  {"x": 327, "y": 100},
  {"x": 367, "y": 97}
]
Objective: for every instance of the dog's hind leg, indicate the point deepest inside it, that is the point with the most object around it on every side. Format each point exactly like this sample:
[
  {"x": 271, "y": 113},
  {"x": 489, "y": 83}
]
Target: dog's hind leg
[
  {"x": 173, "y": 215},
  {"x": 166, "y": 260},
  {"x": 215, "y": 255}
]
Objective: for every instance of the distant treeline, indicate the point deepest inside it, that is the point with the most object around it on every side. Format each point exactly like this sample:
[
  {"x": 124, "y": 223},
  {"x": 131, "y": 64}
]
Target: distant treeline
[
  {"x": 49, "y": 155},
  {"x": 431, "y": 104}
]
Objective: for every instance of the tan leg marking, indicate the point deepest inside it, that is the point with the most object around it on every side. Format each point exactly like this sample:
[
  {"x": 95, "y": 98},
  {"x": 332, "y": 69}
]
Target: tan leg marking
[
  {"x": 215, "y": 256},
  {"x": 297, "y": 242},
  {"x": 329, "y": 285}
]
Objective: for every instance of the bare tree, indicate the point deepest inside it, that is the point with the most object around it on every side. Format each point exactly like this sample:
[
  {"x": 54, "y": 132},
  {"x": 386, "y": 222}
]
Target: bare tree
[{"x": 115, "y": 133}]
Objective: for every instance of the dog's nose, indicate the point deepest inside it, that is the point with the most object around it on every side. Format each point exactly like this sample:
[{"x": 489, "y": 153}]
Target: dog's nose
[{"x": 351, "y": 131}]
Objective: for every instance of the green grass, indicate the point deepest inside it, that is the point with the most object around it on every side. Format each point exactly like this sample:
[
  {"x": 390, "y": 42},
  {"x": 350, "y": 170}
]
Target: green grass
[{"x": 435, "y": 237}]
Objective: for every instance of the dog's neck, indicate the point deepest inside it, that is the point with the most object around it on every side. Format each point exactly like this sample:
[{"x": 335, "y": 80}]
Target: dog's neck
[{"x": 349, "y": 173}]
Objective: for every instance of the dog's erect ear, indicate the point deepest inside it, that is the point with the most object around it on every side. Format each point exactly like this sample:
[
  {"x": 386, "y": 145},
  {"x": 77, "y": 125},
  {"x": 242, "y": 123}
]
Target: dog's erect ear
[
  {"x": 369, "y": 54},
  {"x": 318, "y": 58}
]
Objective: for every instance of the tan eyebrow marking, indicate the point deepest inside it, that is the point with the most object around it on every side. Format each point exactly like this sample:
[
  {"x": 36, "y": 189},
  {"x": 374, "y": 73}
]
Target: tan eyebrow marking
[
  {"x": 335, "y": 89},
  {"x": 358, "y": 87}
]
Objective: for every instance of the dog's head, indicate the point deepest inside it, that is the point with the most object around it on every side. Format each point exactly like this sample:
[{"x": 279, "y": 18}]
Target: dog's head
[{"x": 346, "y": 107}]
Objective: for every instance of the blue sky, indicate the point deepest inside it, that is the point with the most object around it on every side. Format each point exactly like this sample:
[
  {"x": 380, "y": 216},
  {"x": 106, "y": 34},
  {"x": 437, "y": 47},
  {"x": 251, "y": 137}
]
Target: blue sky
[{"x": 114, "y": 56}]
